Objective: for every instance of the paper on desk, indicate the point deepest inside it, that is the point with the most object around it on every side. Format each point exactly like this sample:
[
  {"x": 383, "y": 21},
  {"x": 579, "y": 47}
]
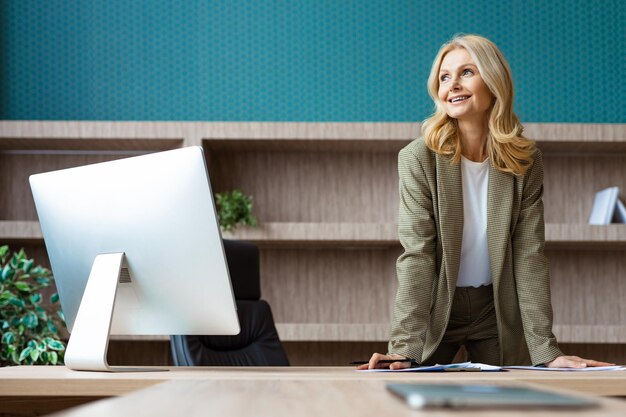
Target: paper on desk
[
  {"x": 590, "y": 368},
  {"x": 436, "y": 368}
]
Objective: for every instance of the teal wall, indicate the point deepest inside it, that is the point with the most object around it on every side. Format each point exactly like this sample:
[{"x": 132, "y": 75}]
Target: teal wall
[{"x": 298, "y": 60}]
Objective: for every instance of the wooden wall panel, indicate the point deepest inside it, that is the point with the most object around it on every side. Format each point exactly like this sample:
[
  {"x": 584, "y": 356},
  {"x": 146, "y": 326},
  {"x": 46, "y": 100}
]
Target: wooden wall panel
[
  {"x": 588, "y": 287},
  {"x": 329, "y": 286},
  {"x": 17, "y": 202},
  {"x": 571, "y": 182},
  {"x": 312, "y": 186}
]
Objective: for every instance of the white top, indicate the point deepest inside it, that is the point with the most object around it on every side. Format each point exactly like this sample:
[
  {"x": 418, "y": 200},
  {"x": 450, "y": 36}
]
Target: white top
[{"x": 474, "y": 269}]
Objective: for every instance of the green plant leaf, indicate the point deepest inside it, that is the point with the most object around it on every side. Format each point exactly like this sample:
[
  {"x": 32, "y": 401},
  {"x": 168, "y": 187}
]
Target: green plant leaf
[
  {"x": 4, "y": 250},
  {"x": 8, "y": 338},
  {"x": 27, "y": 264},
  {"x": 55, "y": 344},
  {"x": 41, "y": 313},
  {"x": 34, "y": 355},
  {"x": 24, "y": 354},
  {"x": 6, "y": 294},
  {"x": 53, "y": 358},
  {"x": 35, "y": 298},
  {"x": 17, "y": 302},
  {"x": 32, "y": 344},
  {"x": 54, "y": 298},
  {"x": 30, "y": 320},
  {"x": 51, "y": 327},
  {"x": 43, "y": 281},
  {"x": 6, "y": 273},
  {"x": 22, "y": 286}
]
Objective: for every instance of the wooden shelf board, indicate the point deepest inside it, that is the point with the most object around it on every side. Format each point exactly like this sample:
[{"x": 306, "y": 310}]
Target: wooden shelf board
[
  {"x": 379, "y": 332},
  {"x": 20, "y": 231},
  {"x": 561, "y": 235},
  {"x": 557, "y": 235},
  {"x": 564, "y": 235},
  {"x": 361, "y": 234},
  {"x": 598, "y": 333},
  {"x": 68, "y": 145},
  {"x": 152, "y": 135}
]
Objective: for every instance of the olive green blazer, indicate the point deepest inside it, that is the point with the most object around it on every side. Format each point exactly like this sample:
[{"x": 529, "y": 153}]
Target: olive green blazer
[{"x": 430, "y": 229}]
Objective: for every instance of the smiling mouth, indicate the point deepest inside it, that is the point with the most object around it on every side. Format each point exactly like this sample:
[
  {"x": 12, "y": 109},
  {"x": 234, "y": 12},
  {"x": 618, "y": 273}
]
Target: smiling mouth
[{"x": 458, "y": 99}]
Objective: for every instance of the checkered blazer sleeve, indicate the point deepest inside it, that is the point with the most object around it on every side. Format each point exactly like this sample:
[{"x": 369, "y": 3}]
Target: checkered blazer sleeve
[
  {"x": 416, "y": 266},
  {"x": 530, "y": 266}
]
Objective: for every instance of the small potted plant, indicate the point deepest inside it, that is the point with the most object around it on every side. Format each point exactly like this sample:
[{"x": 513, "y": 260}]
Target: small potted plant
[
  {"x": 29, "y": 331},
  {"x": 234, "y": 208}
]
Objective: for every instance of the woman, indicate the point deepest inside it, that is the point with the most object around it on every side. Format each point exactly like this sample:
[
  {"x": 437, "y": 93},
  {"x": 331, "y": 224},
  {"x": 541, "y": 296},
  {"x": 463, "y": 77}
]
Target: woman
[{"x": 473, "y": 271}]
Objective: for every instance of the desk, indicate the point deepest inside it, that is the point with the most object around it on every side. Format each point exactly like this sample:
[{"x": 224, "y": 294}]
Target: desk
[{"x": 243, "y": 391}]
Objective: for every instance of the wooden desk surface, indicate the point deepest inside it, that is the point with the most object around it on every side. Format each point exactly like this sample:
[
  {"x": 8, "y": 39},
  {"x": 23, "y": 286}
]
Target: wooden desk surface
[
  {"x": 284, "y": 397},
  {"x": 60, "y": 381}
]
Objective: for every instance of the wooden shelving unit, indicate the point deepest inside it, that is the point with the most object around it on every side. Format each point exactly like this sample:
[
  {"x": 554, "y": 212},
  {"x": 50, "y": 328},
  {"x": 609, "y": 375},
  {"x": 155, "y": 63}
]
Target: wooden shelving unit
[{"x": 326, "y": 196}]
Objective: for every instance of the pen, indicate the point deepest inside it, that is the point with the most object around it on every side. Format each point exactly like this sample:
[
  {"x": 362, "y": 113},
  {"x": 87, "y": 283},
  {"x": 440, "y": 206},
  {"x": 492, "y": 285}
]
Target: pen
[{"x": 413, "y": 361}]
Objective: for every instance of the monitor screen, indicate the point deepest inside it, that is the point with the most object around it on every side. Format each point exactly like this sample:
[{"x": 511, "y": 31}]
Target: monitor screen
[{"x": 158, "y": 211}]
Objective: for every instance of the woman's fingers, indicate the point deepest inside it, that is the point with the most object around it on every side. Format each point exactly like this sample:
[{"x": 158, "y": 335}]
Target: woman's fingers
[{"x": 576, "y": 362}]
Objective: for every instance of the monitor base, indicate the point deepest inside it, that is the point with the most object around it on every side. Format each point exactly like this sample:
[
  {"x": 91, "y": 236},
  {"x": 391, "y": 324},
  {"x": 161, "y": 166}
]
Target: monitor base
[{"x": 89, "y": 341}]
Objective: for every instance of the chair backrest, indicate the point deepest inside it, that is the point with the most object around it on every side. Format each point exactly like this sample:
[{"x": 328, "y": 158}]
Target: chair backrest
[{"x": 258, "y": 343}]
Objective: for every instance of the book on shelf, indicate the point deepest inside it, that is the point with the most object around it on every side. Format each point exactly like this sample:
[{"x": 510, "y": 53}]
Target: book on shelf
[
  {"x": 620, "y": 212},
  {"x": 607, "y": 208}
]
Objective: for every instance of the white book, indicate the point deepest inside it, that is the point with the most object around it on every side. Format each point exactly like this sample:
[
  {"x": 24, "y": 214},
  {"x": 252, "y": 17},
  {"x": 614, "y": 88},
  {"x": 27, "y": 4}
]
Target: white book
[
  {"x": 620, "y": 212},
  {"x": 604, "y": 206}
]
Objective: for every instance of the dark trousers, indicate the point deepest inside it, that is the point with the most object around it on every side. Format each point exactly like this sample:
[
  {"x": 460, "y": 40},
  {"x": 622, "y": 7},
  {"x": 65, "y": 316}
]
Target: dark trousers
[{"x": 472, "y": 324}]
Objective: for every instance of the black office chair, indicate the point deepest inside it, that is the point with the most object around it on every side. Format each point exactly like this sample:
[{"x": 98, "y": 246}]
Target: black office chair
[{"x": 258, "y": 343}]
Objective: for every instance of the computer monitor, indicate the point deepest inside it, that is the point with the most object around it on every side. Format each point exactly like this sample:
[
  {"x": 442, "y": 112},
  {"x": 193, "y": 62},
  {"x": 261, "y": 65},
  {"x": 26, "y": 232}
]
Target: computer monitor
[{"x": 135, "y": 249}]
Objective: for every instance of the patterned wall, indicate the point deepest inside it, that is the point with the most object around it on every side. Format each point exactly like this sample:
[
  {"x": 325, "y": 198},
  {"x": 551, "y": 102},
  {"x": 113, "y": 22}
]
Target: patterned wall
[{"x": 297, "y": 60}]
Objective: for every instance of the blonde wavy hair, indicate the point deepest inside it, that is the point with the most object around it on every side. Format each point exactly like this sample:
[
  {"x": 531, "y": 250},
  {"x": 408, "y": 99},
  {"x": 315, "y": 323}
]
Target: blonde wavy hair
[{"x": 508, "y": 150}]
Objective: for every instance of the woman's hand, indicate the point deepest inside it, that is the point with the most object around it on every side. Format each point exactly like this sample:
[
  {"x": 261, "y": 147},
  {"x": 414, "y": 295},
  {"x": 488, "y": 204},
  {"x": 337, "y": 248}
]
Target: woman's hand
[
  {"x": 373, "y": 363},
  {"x": 574, "y": 362}
]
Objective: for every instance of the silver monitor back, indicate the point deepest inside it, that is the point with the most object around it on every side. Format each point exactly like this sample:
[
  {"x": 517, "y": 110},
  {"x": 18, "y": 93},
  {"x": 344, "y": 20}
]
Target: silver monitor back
[{"x": 158, "y": 209}]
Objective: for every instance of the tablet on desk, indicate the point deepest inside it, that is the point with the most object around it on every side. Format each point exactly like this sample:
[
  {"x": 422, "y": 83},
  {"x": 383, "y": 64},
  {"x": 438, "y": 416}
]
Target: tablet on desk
[{"x": 419, "y": 396}]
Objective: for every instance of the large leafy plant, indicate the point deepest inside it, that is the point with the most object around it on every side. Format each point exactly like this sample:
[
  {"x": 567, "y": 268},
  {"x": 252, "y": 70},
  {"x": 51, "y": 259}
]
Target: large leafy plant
[
  {"x": 234, "y": 208},
  {"x": 29, "y": 332}
]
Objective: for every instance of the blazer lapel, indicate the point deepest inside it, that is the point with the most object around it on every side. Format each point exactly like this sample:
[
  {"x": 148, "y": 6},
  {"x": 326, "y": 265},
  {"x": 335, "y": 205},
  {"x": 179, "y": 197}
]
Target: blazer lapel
[
  {"x": 450, "y": 190},
  {"x": 499, "y": 211}
]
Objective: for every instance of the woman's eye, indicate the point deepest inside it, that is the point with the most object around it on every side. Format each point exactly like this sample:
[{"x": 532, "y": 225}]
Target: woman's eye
[
  {"x": 444, "y": 78},
  {"x": 468, "y": 72}
]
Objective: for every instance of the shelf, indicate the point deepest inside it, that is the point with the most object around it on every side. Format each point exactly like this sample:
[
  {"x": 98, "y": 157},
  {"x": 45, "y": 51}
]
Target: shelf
[
  {"x": 240, "y": 136},
  {"x": 385, "y": 234},
  {"x": 379, "y": 332},
  {"x": 564, "y": 235},
  {"x": 20, "y": 232},
  {"x": 368, "y": 234},
  {"x": 558, "y": 235},
  {"x": 336, "y": 234}
]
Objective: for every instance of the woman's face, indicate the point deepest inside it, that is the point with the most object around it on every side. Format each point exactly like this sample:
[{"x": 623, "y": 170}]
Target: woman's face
[{"x": 462, "y": 91}]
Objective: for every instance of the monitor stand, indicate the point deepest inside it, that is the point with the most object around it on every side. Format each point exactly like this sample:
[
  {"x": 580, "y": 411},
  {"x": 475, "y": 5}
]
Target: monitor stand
[{"x": 87, "y": 347}]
